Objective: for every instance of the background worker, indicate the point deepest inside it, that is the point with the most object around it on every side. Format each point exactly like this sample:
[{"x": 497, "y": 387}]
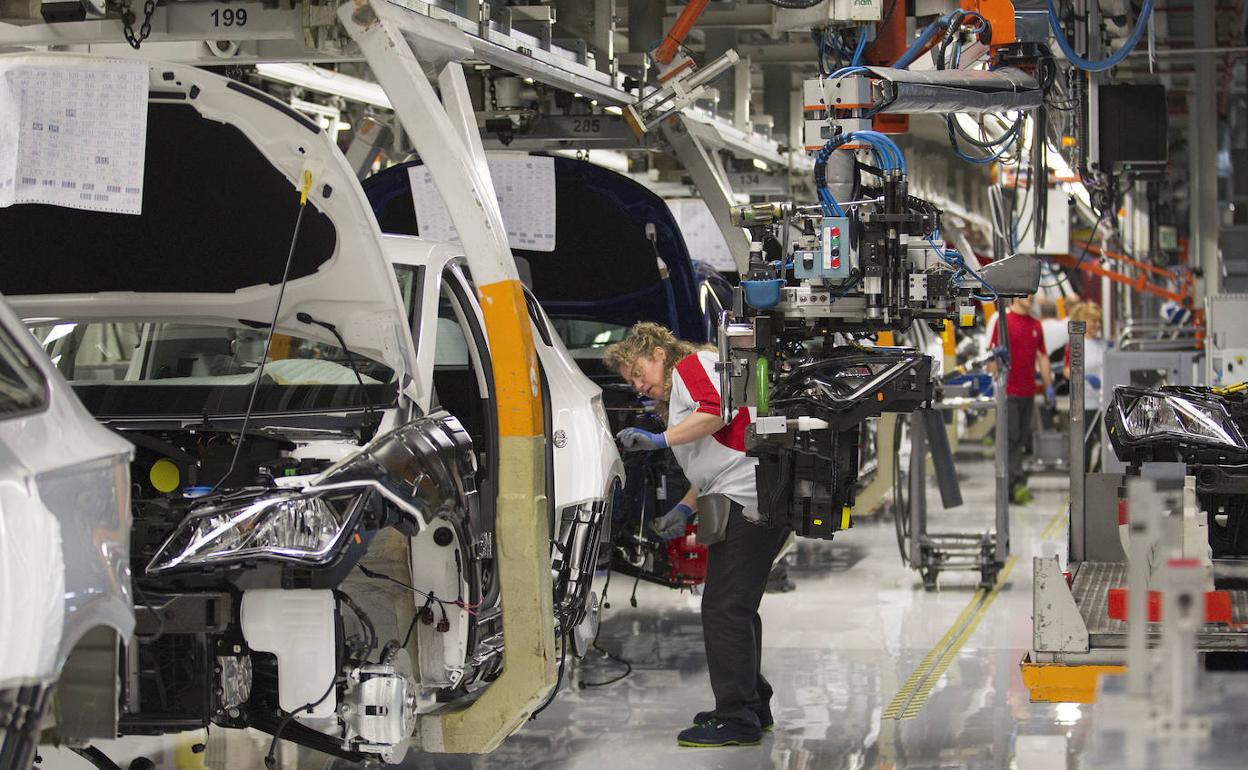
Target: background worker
[
  {"x": 724, "y": 494},
  {"x": 1027, "y": 356}
]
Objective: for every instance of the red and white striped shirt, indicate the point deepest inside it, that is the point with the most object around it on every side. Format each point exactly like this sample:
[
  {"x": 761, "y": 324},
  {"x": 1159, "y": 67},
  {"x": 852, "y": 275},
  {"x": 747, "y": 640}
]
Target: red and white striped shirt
[{"x": 715, "y": 464}]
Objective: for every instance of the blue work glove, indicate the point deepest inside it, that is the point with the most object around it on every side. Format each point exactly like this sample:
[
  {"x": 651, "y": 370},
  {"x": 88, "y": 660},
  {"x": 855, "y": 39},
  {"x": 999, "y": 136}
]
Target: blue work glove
[
  {"x": 671, "y": 525},
  {"x": 1050, "y": 395},
  {"x": 1094, "y": 381},
  {"x": 638, "y": 440}
]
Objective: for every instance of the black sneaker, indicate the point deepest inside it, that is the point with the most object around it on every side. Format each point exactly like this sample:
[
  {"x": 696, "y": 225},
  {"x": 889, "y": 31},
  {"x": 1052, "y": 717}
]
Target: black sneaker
[
  {"x": 780, "y": 585},
  {"x": 714, "y": 734},
  {"x": 765, "y": 719}
]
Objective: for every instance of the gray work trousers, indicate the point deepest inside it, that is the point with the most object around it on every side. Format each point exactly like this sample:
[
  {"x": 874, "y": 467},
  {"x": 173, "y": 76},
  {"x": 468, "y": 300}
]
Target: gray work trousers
[
  {"x": 1021, "y": 414},
  {"x": 736, "y": 576}
]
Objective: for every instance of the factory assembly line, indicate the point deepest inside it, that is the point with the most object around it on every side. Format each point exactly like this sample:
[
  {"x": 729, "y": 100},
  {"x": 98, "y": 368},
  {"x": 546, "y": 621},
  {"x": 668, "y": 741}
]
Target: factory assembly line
[{"x": 357, "y": 358}]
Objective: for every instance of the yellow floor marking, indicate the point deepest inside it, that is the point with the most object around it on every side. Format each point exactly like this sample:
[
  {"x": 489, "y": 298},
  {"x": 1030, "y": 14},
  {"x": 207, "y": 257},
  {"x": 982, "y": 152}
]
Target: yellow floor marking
[
  {"x": 914, "y": 693},
  {"x": 900, "y": 699},
  {"x": 946, "y": 659},
  {"x": 1054, "y": 524}
]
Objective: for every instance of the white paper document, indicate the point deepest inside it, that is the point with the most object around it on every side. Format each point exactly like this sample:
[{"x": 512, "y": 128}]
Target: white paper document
[
  {"x": 702, "y": 236},
  {"x": 73, "y": 133},
  {"x": 525, "y": 187}
]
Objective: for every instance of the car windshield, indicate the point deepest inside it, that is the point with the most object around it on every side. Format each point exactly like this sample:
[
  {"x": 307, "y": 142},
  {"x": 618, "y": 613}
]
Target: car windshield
[
  {"x": 165, "y": 368},
  {"x": 587, "y": 338},
  {"x": 21, "y": 386}
]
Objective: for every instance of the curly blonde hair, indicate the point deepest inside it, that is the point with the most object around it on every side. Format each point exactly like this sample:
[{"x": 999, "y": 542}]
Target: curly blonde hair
[
  {"x": 642, "y": 340},
  {"x": 1086, "y": 311}
]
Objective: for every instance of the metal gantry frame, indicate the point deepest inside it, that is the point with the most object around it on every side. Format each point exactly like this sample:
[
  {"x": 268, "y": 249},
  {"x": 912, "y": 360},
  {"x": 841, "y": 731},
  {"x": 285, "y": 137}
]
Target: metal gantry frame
[{"x": 402, "y": 48}]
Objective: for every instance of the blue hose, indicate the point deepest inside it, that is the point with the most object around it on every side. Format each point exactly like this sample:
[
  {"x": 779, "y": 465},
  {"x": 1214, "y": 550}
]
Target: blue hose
[
  {"x": 848, "y": 71},
  {"x": 928, "y": 35},
  {"x": 884, "y": 143},
  {"x": 862, "y": 47},
  {"x": 887, "y": 154},
  {"x": 1103, "y": 64}
]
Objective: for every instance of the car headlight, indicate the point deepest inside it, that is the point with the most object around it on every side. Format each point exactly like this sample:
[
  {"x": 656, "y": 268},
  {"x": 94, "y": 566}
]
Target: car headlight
[
  {"x": 1156, "y": 414},
  {"x": 304, "y": 527}
]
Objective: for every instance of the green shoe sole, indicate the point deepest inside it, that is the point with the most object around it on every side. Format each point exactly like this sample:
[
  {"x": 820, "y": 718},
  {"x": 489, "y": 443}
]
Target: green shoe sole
[{"x": 694, "y": 745}]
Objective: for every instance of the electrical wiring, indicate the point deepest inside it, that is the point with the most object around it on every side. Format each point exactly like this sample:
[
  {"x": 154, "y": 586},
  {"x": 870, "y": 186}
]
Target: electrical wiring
[
  {"x": 953, "y": 258},
  {"x": 366, "y": 624},
  {"x": 460, "y": 603},
  {"x": 927, "y": 38},
  {"x": 628, "y": 669},
  {"x": 982, "y": 143},
  {"x": 1055, "y": 24},
  {"x": 1008, "y": 141},
  {"x": 826, "y": 41},
  {"x": 563, "y": 654},
  {"x": 270, "y": 759}
]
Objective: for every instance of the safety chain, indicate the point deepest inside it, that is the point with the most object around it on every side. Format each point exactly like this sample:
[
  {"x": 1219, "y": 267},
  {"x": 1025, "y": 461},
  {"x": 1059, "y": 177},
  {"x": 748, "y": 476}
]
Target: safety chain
[{"x": 127, "y": 21}]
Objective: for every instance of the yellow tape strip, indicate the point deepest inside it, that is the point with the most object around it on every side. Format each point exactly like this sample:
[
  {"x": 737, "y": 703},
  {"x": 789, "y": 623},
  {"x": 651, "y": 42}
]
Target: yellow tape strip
[
  {"x": 903, "y": 695},
  {"x": 914, "y": 693},
  {"x": 946, "y": 659},
  {"x": 1054, "y": 525}
]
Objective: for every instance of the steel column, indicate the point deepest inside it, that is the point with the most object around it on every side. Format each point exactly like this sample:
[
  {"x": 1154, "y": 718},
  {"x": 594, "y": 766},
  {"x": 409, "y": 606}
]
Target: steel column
[
  {"x": 1203, "y": 139},
  {"x": 1001, "y": 457},
  {"x": 712, "y": 184},
  {"x": 918, "y": 487},
  {"x": 1077, "y": 433}
]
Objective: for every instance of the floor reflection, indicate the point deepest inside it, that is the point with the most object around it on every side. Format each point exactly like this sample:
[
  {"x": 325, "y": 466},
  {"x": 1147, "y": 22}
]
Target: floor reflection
[{"x": 837, "y": 649}]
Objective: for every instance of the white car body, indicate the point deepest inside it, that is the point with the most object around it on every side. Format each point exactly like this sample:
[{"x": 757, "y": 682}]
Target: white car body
[
  {"x": 583, "y": 446},
  {"x": 345, "y": 279},
  {"x": 64, "y": 541}
]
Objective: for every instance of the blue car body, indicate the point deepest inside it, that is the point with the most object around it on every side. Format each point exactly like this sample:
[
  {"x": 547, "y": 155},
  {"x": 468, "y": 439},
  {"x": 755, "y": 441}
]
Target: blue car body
[{"x": 610, "y": 233}]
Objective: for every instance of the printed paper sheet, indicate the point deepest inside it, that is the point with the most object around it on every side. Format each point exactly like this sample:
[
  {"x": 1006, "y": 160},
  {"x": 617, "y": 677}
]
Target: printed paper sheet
[
  {"x": 702, "y": 236},
  {"x": 73, "y": 133},
  {"x": 526, "y": 198}
]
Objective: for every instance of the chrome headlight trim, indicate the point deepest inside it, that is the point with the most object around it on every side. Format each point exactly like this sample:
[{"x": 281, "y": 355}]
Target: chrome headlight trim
[
  {"x": 1147, "y": 415},
  {"x": 307, "y": 527}
]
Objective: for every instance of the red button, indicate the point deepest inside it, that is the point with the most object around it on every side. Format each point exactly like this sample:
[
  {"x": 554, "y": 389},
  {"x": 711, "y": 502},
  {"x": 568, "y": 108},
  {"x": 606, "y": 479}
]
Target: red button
[
  {"x": 836, "y": 232},
  {"x": 836, "y": 262}
]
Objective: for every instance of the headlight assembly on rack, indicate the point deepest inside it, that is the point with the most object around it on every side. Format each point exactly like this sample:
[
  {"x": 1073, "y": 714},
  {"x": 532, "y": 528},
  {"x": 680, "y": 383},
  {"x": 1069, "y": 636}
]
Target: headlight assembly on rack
[
  {"x": 303, "y": 527},
  {"x": 1155, "y": 414}
]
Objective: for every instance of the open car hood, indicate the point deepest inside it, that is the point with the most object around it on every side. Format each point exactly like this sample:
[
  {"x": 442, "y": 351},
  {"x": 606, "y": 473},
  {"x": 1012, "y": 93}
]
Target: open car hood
[
  {"x": 223, "y": 167},
  {"x": 609, "y": 230}
]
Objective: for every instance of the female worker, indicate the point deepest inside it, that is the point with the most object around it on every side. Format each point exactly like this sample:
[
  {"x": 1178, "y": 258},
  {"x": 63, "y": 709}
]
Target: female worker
[{"x": 740, "y": 551}]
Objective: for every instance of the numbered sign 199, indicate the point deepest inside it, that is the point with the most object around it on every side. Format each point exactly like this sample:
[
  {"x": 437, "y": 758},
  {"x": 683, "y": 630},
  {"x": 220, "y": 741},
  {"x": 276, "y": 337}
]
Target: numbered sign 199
[{"x": 229, "y": 17}]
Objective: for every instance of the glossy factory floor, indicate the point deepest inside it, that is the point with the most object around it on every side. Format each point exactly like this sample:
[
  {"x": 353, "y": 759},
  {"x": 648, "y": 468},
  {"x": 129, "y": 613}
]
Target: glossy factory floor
[{"x": 838, "y": 650}]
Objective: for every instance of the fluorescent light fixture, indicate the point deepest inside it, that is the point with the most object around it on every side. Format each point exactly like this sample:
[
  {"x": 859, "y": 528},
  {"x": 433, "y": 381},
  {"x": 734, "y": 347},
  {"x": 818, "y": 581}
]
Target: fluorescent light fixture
[
  {"x": 326, "y": 81},
  {"x": 760, "y": 165}
]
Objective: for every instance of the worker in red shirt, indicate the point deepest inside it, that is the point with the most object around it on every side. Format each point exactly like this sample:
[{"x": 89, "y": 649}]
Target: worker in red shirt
[{"x": 1027, "y": 355}]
